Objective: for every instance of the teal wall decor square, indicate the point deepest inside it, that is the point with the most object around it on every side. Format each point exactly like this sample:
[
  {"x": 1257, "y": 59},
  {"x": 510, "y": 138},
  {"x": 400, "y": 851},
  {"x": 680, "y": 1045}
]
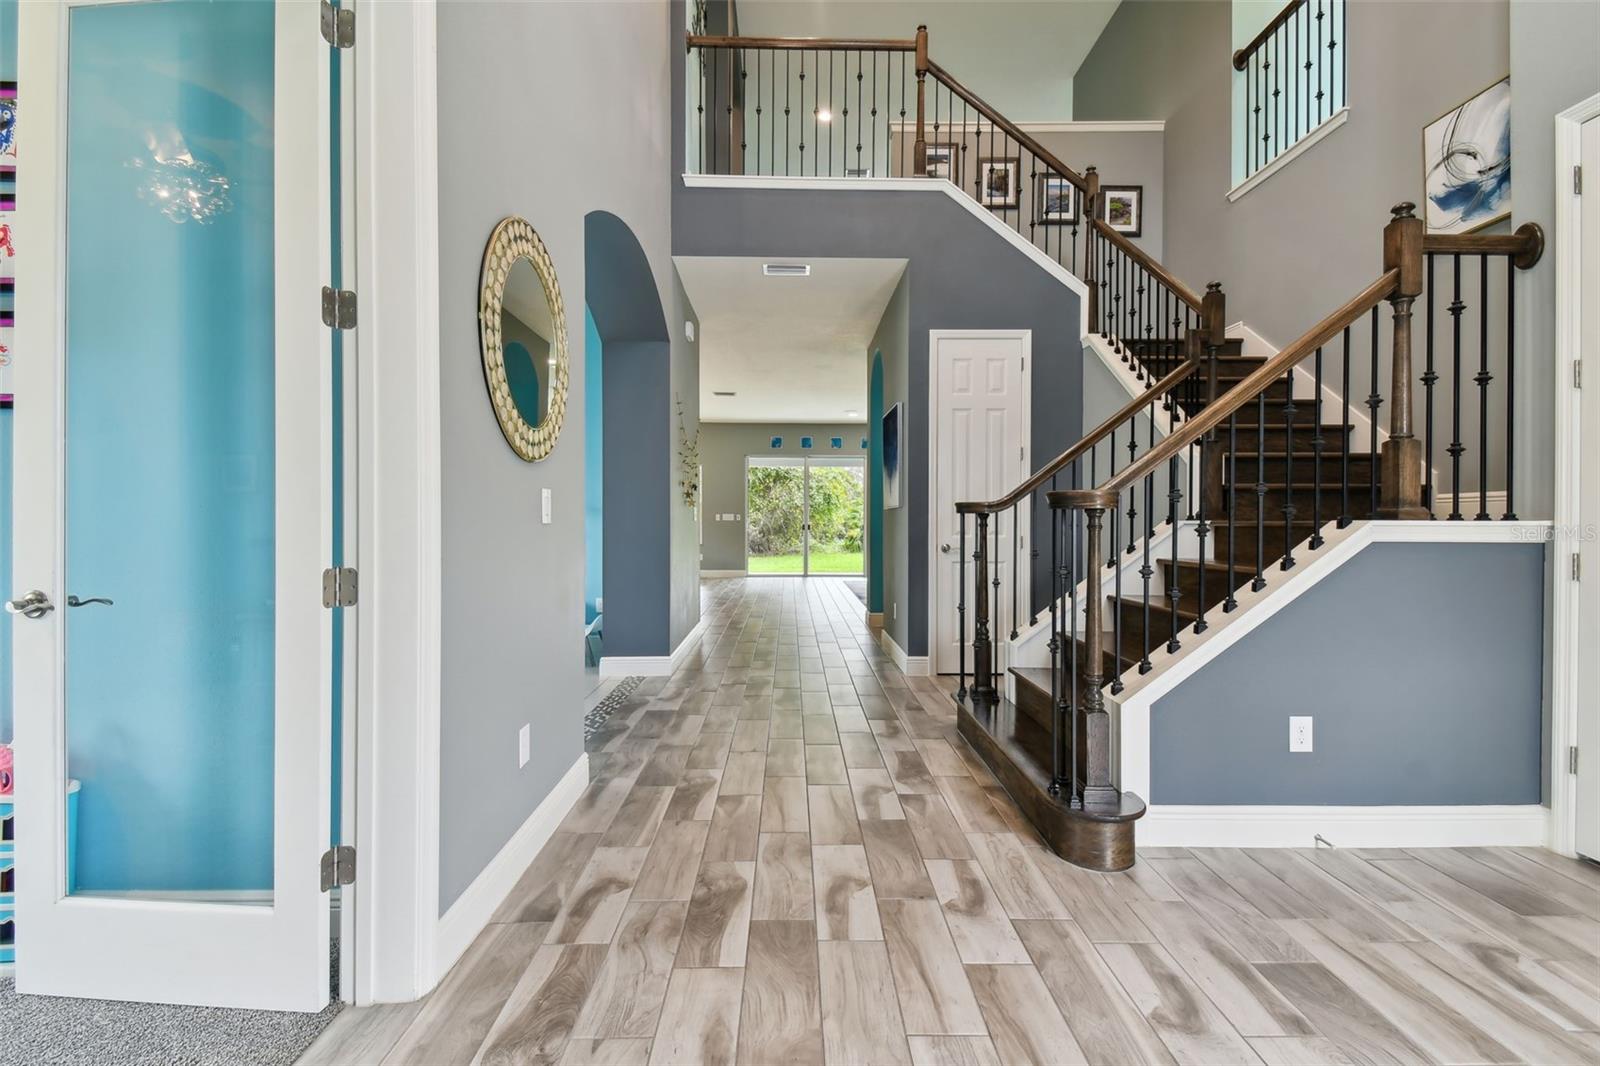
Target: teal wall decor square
[
  {"x": 777, "y": 442},
  {"x": 805, "y": 442}
]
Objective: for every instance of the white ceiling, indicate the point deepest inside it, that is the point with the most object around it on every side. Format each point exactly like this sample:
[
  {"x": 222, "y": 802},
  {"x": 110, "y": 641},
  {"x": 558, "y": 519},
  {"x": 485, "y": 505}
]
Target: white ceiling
[{"x": 791, "y": 349}]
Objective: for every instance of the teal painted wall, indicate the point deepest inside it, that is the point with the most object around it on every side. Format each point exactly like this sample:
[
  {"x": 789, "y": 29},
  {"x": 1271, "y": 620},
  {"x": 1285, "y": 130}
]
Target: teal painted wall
[
  {"x": 170, "y": 505},
  {"x": 593, "y": 469}
]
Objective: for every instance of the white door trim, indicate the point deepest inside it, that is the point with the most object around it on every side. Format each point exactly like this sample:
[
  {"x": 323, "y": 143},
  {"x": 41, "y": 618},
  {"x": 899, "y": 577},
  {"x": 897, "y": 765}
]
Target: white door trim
[
  {"x": 398, "y": 440},
  {"x": 934, "y": 337},
  {"x": 1564, "y": 696}
]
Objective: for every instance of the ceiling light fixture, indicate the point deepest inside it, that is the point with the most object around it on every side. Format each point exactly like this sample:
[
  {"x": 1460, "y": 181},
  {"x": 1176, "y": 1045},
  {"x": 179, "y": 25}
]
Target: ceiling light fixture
[
  {"x": 714, "y": 392},
  {"x": 851, "y": 414},
  {"x": 786, "y": 270}
]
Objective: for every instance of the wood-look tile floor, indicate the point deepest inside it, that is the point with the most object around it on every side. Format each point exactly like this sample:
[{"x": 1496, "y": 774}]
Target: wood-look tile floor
[{"x": 787, "y": 855}]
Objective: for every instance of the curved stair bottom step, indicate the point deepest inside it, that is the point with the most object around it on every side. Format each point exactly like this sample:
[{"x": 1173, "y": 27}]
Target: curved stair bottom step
[{"x": 1101, "y": 840}]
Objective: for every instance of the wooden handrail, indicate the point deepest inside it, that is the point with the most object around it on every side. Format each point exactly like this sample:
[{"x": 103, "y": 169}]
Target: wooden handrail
[
  {"x": 1129, "y": 411},
  {"x": 1140, "y": 256},
  {"x": 806, "y": 44},
  {"x": 1525, "y": 246},
  {"x": 1242, "y": 56},
  {"x": 1011, "y": 128},
  {"x": 1213, "y": 414}
]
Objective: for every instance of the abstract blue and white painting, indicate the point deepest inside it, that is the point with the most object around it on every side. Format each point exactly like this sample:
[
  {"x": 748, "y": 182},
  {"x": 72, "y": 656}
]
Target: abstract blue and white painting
[{"x": 1466, "y": 154}]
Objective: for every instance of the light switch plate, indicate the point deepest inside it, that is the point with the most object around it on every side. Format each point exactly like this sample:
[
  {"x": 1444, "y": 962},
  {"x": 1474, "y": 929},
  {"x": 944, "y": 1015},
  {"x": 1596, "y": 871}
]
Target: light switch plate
[
  {"x": 1300, "y": 732},
  {"x": 524, "y": 746},
  {"x": 544, "y": 504}
]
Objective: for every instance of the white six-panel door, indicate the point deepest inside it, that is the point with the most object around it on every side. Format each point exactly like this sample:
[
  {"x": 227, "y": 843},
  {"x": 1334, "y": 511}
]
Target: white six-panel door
[
  {"x": 138, "y": 932},
  {"x": 1587, "y": 823},
  {"x": 979, "y": 442}
]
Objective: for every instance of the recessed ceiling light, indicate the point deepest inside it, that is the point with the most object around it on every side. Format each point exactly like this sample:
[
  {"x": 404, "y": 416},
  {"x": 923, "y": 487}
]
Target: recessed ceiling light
[
  {"x": 714, "y": 392},
  {"x": 786, "y": 270},
  {"x": 824, "y": 115}
]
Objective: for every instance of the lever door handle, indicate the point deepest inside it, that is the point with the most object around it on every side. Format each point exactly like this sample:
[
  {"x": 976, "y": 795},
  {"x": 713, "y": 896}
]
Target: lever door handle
[
  {"x": 75, "y": 601},
  {"x": 34, "y": 605}
]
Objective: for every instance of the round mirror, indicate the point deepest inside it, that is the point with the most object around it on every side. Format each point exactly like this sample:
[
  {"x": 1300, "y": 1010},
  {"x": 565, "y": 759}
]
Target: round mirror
[{"x": 523, "y": 330}]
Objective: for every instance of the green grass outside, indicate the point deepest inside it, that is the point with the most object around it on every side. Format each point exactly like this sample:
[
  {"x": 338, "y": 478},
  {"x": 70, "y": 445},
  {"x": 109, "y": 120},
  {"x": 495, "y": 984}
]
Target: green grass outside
[{"x": 821, "y": 563}]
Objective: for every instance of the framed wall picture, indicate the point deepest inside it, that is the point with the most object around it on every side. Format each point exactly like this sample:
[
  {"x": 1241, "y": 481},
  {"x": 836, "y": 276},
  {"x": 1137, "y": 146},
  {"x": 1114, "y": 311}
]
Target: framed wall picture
[
  {"x": 1124, "y": 208},
  {"x": 998, "y": 182},
  {"x": 942, "y": 160},
  {"x": 1466, "y": 163},
  {"x": 892, "y": 454},
  {"x": 1056, "y": 201}
]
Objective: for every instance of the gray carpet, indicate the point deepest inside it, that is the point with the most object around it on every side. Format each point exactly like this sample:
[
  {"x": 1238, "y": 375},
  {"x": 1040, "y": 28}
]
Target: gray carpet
[{"x": 41, "y": 1030}]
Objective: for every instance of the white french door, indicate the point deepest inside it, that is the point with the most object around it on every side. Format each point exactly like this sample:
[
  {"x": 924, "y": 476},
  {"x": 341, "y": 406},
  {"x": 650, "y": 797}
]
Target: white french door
[
  {"x": 173, "y": 504},
  {"x": 980, "y": 442},
  {"x": 804, "y": 515}
]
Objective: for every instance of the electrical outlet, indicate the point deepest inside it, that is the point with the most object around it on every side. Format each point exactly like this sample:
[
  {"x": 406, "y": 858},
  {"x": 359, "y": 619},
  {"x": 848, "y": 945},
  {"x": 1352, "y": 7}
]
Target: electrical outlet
[
  {"x": 524, "y": 746},
  {"x": 544, "y": 505},
  {"x": 1300, "y": 732}
]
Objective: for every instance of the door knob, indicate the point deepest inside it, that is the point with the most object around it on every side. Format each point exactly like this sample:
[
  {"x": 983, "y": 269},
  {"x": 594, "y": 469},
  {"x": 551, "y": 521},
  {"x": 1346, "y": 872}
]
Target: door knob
[
  {"x": 945, "y": 548},
  {"x": 75, "y": 601},
  {"x": 34, "y": 605}
]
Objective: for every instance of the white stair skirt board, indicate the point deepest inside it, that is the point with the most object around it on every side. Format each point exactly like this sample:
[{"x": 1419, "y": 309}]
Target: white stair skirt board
[
  {"x": 910, "y": 665},
  {"x": 459, "y": 926},
  {"x": 1130, "y": 709},
  {"x": 1032, "y": 646},
  {"x": 931, "y": 186},
  {"x": 652, "y": 665},
  {"x": 1290, "y": 154},
  {"x": 1184, "y": 826}
]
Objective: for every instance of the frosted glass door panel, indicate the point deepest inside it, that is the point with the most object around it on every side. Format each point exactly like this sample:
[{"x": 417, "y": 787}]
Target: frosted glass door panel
[{"x": 169, "y": 447}]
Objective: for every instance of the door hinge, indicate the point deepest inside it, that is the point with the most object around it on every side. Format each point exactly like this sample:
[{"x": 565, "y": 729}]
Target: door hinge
[
  {"x": 339, "y": 586},
  {"x": 1577, "y": 373},
  {"x": 338, "y": 866},
  {"x": 1577, "y": 180},
  {"x": 1572, "y": 759},
  {"x": 1577, "y": 567},
  {"x": 338, "y": 25},
  {"x": 338, "y": 308}
]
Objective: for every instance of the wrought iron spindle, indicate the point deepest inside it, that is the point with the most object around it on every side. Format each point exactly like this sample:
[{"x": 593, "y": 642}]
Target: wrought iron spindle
[
  {"x": 1510, "y": 514},
  {"x": 961, "y": 603},
  {"x": 1374, "y": 401},
  {"x": 1232, "y": 497},
  {"x": 1317, "y": 442},
  {"x": 1482, "y": 379},
  {"x": 1260, "y": 581},
  {"x": 1288, "y": 471},
  {"x": 1456, "y": 447},
  {"x": 1174, "y": 592}
]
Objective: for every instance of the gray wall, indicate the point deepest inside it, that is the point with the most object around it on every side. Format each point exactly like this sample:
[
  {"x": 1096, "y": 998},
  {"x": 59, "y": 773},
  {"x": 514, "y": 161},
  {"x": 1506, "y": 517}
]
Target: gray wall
[
  {"x": 1432, "y": 699},
  {"x": 512, "y": 611},
  {"x": 959, "y": 276},
  {"x": 1555, "y": 63},
  {"x": 724, "y": 446},
  {"x": 893, "y": 340},
  {"x": 1309, "y": 237}
]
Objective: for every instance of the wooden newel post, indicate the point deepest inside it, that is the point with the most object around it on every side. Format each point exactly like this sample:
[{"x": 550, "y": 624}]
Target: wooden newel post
[
  {"x": 982, "y": 646},
  {"x": 1400, "y": 466},
  {"x": 919, "y": 153},
  {"x": 1091, "y": 196},
  {"x": 1098, "y": 791}
]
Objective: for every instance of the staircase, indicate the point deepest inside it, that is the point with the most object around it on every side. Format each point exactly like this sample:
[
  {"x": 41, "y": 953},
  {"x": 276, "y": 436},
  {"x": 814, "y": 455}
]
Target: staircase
[{"x": 1223, "y": 472}]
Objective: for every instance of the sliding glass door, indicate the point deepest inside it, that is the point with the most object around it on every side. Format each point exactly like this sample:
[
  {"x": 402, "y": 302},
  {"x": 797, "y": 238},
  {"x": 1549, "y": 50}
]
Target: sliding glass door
[{"x": 805, "y": 515}]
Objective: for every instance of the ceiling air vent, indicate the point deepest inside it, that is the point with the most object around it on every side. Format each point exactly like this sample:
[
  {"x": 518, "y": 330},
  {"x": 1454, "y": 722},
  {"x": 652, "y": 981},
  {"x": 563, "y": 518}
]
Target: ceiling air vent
[
  {"x": 714, "y": 392},
  {"x": 786, "y": 270}
]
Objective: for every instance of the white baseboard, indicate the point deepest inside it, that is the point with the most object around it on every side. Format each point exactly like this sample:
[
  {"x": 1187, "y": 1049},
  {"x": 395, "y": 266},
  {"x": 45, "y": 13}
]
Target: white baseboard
[
  {"x": 652, "y": 665},
  {"x": 460, "y": 925},
  {"x": 722, "y": 573},
  {"x": 1185, "y": 826},
  {"x": 910, "y": 665}
]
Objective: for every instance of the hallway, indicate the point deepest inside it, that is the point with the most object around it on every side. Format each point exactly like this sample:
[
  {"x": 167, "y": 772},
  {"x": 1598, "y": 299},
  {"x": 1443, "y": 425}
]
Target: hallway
[{"x": 787, "y": 855}]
